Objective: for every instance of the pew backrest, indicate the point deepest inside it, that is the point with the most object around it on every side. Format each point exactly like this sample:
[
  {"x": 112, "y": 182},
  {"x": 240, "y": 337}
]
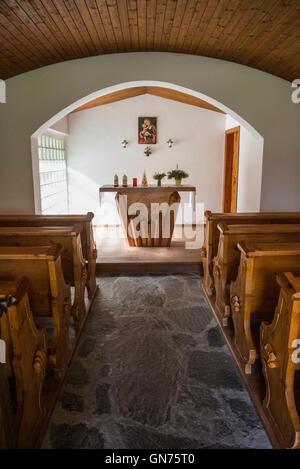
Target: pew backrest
[
  {"x": 212, "y": 234},
  {"x": 40, "y": 265},
  {"x": 265, "y": 260},
  {"x": 231, "y": 235},
  {"x": 213, "y": 219},
  {"x": 66, "y": 236},
  {"x": 87, "y": 239}
]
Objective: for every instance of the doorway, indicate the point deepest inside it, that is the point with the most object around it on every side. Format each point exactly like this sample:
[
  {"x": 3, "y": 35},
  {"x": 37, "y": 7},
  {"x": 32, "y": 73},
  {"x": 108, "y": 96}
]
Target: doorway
[{"x": 231, "y": 168}]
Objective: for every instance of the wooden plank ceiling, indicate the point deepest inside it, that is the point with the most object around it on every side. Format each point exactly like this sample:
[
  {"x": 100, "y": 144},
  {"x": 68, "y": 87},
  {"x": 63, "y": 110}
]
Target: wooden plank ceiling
[
  {"x": 155, "y": 90},
  {"x": 263, "y": 34}
]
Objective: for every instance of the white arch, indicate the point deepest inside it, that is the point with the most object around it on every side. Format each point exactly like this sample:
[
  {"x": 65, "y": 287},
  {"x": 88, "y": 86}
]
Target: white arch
[
  {"x": 111, "y": 89},
  {"x": 134, "y": 84}
]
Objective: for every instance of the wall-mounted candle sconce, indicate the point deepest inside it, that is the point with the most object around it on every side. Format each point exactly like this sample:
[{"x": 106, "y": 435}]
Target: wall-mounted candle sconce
[
  {"x": 124, "y": 143},
  {"x": 170, "y": 143}
]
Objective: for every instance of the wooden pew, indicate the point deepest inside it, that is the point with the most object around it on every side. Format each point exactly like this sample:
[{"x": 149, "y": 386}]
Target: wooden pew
[
  {"x": 8, "y": 439},
  {"x": 279, "y": 345},
  {"x": 254, "y": 293},
  {"x": 49, "y": 295},
  {"x": 88, "y": 245},
  {"x": 211, "y": 234},
  {"x": 26, "y": 358},
  {"x": 227, "y": 259},
  {"x": 73, "y": 264}
]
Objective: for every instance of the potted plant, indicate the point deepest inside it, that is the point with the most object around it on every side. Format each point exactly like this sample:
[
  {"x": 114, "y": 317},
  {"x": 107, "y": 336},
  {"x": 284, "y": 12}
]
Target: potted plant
[
  {"x": 148, "y": 151},
  {"x": 158, "y": 177},
  {"x": 178, "y": 175}
]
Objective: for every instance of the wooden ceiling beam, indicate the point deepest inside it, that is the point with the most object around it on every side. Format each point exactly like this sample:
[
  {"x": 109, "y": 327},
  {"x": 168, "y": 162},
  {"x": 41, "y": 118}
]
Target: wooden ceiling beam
[
  {"x": 184, "y": 98},
  {"x": 166, "y": 93}
]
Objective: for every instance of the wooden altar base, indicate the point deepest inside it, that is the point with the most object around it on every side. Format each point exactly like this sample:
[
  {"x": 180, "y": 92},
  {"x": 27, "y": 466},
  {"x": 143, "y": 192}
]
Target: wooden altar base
[
  {"x": 115, "y": 257},
  {"x": 254, "y": 383},
  {"x": 148, "y": 213}
]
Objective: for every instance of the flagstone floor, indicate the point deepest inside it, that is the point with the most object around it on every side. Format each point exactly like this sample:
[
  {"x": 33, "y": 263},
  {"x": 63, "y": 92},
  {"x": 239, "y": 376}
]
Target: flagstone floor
[{"x": 152, "y": 371}]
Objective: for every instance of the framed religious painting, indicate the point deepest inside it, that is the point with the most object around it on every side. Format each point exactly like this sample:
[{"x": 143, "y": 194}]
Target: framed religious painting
[{"x": 147, "y": 130}]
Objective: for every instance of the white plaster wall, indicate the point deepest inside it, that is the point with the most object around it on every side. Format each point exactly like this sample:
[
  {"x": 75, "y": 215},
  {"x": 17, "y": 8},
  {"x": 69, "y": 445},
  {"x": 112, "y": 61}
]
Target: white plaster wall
[
  {"x": 261, "y": 99},
  {"x": 62, "y": 125},
  {"x": 250, "y": 168},
  {"x": 95, "y": 152}
]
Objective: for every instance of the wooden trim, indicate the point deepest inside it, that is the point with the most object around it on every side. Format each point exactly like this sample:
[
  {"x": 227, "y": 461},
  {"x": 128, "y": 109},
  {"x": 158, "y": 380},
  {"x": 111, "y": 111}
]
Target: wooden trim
[
  {"x": 162, "y": 92},
  {"x": 113, "y": 97},
  {"x": 149, "y": 189},
  {"x": 231, "y": 169}
]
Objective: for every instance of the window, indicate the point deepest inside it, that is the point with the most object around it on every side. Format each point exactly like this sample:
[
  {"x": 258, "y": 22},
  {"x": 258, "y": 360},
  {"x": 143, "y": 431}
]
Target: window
[{"x": 53, "y": 175}]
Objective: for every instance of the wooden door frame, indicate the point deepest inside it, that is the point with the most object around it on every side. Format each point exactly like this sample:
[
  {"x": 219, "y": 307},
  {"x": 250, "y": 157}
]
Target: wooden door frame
[{"x": 235, "y": 164}]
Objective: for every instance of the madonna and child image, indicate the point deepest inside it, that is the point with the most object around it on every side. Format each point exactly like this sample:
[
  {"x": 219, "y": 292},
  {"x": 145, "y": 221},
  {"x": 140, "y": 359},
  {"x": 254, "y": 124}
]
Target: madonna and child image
[{"x": 147, "y": 131}]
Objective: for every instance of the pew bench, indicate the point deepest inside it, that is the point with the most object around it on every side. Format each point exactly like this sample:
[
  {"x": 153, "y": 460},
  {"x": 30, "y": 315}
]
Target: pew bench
[
  {"x": 88, "y": 245},
  {"x": 225, "y": 264},
  {"x": 279, "y": 346},
  {"x": 254, "y": 293},
  {"x": 49, "y": 295},
  {"x": 73, "y": 264},
  {"x": 211, "y": 235},
  {"x": 26, "y": 358},
  {"x": 8, "y": 439}
]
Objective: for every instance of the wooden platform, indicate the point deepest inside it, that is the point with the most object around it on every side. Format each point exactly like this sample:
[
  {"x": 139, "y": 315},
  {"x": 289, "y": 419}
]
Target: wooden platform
[
  {"x": 115, "y": 257},
  {"x": 254, "y": 382}
]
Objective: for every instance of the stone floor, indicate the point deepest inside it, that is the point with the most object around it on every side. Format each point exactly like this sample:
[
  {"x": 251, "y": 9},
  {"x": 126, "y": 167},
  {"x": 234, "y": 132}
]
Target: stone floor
[{"x": 152, "y": 371}]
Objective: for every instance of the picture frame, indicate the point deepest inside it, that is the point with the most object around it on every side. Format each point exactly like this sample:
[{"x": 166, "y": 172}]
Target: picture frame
[{"x": 147, "y": 130}]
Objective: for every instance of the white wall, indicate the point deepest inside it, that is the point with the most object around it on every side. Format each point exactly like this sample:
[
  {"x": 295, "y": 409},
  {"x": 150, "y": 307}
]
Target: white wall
[
  {"x": 95, "y": 152},
  {"x": 62, "y": 125},
  {"x": 250, "y": 168},
  {"x": 261, "y": 99}
]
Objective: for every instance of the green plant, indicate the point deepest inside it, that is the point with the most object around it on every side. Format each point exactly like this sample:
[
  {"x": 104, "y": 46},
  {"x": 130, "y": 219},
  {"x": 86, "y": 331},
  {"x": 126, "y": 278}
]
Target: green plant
[
  {"x": 159, "y": 176},
  {"x": 177, "y": 174}
]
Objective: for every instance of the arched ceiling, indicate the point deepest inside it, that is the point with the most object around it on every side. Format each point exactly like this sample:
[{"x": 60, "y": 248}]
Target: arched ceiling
[
  {"x": 264, "y": 34},
  {"x": 166, "y": 93}
]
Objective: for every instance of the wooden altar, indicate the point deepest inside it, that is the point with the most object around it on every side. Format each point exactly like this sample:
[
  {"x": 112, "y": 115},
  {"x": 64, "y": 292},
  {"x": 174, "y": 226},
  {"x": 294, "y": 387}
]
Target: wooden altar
[{"x": 151, "y": 225}]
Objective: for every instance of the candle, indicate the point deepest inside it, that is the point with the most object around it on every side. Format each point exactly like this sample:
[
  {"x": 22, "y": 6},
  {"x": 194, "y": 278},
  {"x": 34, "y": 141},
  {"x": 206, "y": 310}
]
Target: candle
[{"x": 134, "y": 182}]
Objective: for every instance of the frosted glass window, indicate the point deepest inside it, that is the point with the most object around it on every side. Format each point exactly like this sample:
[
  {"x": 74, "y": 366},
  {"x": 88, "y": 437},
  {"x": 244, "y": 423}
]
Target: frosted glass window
[{"x": 53, "y": 175}]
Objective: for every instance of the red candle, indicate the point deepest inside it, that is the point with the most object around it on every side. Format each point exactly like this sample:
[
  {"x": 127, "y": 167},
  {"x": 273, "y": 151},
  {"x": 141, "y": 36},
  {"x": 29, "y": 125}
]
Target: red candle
[{"x": 134, "y": 182}]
